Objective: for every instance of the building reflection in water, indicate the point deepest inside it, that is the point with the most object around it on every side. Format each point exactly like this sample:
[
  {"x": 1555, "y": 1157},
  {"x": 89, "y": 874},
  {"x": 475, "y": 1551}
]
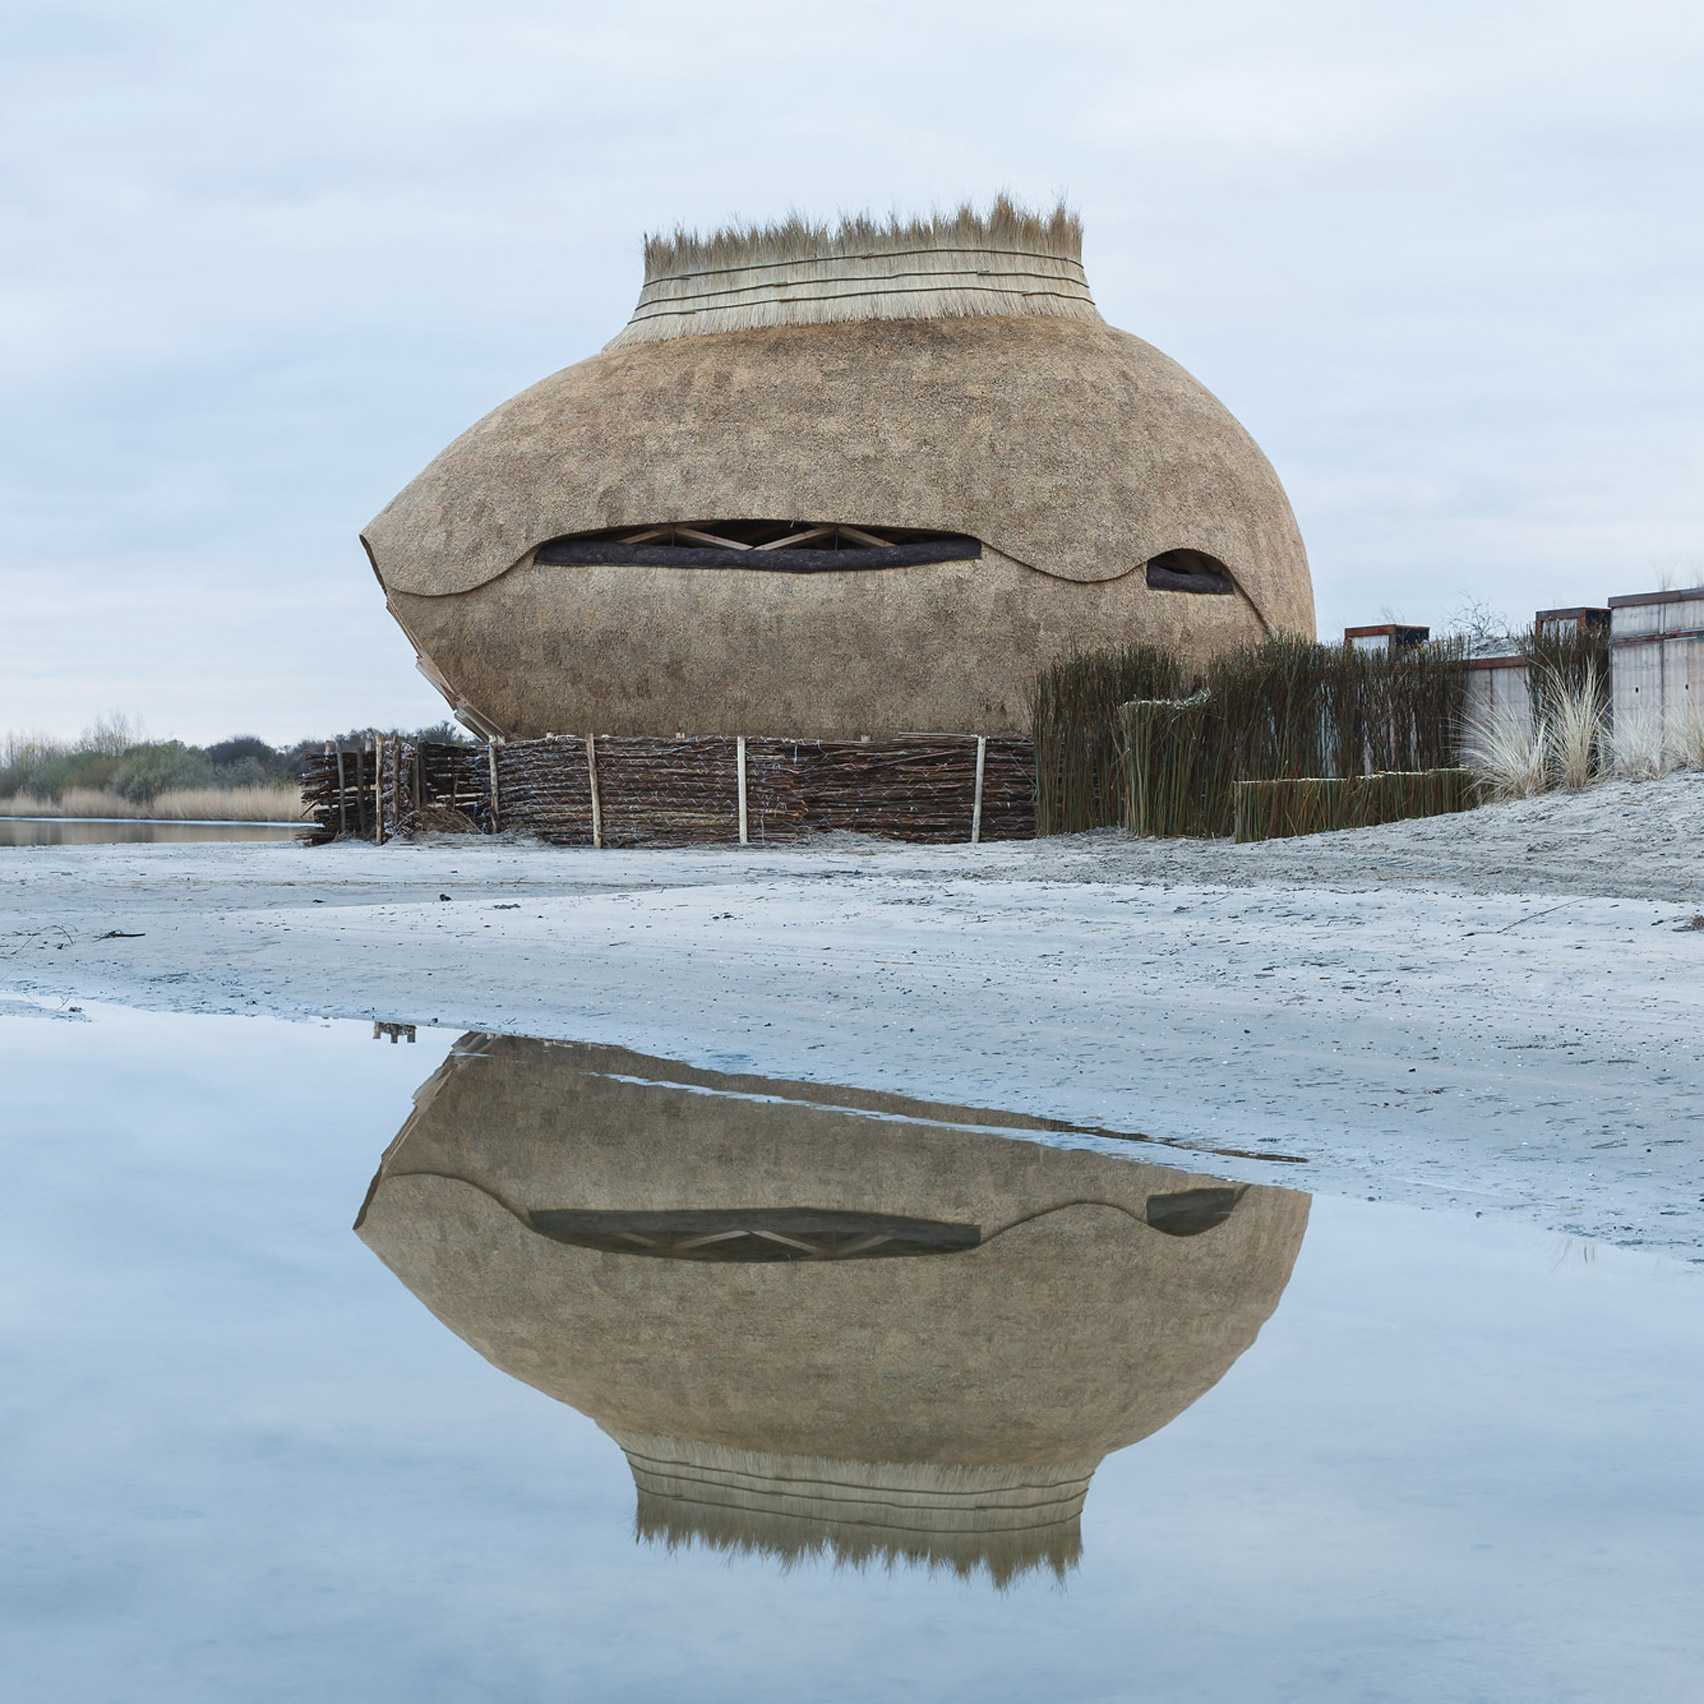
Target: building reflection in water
[{"x": 821, "y": 1320}]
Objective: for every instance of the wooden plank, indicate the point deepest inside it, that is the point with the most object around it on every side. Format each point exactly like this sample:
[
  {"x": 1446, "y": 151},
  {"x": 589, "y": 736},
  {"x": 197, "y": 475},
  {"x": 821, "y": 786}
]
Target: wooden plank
[
  {"x": 491, "y": 759},
  {"x": 378, "y": 790},
  {"x": 976, "y": 808},
  {"x": 796, "y": 538},
  {"x": 740, "y": 758},
  {"x": 710, "y": 538},
  {"x": 592, "y": 778},
  {"x": 342, "y": 794},
  {"x": 861, "y": 537}
]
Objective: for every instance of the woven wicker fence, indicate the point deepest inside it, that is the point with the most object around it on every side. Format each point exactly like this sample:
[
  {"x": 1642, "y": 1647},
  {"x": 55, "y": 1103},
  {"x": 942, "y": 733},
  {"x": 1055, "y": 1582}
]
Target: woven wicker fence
[{"x": 621, "y": 791}]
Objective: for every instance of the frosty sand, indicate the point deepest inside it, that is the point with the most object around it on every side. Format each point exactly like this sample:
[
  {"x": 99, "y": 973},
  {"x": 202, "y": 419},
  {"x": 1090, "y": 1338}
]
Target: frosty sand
[{"x": 1498, "y": 1012}]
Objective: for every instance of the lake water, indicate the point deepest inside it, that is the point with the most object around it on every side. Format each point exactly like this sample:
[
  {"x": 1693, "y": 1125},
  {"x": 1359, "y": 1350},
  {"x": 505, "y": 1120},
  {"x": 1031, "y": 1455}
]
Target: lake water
[
  {"x": 345, "y": 1367},
  {"x": 94, "y": 831}
]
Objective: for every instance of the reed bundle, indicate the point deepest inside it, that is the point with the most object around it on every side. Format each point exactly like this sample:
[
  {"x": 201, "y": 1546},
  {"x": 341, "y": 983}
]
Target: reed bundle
[
  {"x": 1160, "y": 750},
  {"x": 1287, "y": 709},
  {"x": 1276, "y": 810},
  {"x": 1074, "y": 723}
]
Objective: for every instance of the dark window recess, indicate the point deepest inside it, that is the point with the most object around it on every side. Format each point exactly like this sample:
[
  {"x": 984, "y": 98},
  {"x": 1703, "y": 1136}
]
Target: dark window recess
[
  {"x": 1189, "y": 571},
  {"x": 754, "y": 1233},
  {"x": 1189, "y": 1212},
  {"x": 791, "y": 547}
]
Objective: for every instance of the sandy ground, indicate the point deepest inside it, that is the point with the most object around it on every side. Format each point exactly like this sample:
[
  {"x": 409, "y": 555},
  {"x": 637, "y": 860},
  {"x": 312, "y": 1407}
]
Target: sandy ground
[{"x": 1499, "y": 1012}]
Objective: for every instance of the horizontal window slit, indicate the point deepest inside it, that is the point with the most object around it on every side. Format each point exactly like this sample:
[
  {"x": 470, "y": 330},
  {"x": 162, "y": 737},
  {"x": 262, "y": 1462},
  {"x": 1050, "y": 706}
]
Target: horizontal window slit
[{"x": 789, "y": 546}]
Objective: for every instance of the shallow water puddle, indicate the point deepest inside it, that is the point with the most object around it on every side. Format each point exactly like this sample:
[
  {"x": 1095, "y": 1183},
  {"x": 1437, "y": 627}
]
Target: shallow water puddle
[{"x": 637, "y": 1380}]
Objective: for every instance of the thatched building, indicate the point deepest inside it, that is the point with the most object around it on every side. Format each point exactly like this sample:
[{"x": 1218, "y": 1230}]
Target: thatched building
[
  {"x": 814, "y": 1319},
  {"x": 831, "y": 483}
]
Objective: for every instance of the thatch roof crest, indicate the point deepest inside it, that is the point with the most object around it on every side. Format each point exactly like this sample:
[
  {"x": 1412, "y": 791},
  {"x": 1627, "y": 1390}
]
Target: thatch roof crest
[
  {"x": 1007, "y": 225},
  {"x": 1006, "y": 1520},
  {"x": 798, "y": 271}
]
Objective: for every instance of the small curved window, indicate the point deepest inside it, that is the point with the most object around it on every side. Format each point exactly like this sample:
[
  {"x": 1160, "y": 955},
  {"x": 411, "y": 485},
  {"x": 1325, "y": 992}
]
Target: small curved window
[
  {"x": 795, "y": 547},
  {"x": 1189, "y": 1212},
  {"x": 1189, "y": 571}
]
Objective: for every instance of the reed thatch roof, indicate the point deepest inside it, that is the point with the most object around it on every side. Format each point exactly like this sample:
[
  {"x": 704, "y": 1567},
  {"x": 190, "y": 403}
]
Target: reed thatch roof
[
  {"x": 948, "y": 1406},
  {"x": 1073, "y": 449},
  {"x": 801, "y": 272}
]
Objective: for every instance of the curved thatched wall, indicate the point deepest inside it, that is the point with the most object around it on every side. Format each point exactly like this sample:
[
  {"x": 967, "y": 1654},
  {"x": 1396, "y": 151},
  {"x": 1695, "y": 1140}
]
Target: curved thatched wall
[
  {"x": 787, "y": 1403},
  {"x": 994, "y": 403},
  {"x": 675, "y": 651}
]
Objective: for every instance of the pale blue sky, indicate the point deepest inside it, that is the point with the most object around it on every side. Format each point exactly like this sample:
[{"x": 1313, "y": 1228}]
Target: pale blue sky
[{"x": 260, "y": 263}]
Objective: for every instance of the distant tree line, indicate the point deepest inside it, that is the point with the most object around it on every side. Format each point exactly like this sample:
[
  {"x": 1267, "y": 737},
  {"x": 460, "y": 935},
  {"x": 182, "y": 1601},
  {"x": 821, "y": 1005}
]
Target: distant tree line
[{"x": 112, "y": 755}]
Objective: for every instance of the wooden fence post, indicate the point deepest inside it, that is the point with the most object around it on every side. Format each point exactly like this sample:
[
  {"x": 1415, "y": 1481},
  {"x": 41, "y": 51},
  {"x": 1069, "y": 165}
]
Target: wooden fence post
[
  {"x": 739, "y": 753},
  {"x": 491, "y": 760},
  {"x": 378, "y": 789},
  {"x": 976, "y": 809},
  {"x": 592, "y": 776}
]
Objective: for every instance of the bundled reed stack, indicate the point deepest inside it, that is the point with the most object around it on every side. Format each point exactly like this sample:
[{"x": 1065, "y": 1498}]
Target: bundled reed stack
[
  {"x": 1074, "y": 706},
  {"x": 1286, "y": 710},
  {"x": 1275, "y": 810}
]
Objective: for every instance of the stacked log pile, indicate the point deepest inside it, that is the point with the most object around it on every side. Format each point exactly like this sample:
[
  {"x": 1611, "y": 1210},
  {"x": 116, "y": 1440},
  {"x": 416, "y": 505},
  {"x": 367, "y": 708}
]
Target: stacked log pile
[
  {"x": 338, "y": 790},
  {"x": 450, "y": 781},
  {"x": 625, "y": 791}
]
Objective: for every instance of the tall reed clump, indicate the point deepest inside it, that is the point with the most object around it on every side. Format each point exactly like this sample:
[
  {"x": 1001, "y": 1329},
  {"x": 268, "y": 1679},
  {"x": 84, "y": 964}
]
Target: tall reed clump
[
  {"x": 274, "y": 803},
  {"x": 1073, "y": 720},
  {"x": 1287, "y": 709}
]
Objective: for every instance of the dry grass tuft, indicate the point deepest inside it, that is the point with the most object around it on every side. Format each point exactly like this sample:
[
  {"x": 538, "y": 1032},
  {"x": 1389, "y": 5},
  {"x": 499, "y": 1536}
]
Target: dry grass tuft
[
  {"x": 279, "y": 803},
  {"x": 1636, "y": 744},
  {"x": 1576, "y": 713},
  {"x": 1508, "y": 752},
  {"x": 1684, "y": 737}
]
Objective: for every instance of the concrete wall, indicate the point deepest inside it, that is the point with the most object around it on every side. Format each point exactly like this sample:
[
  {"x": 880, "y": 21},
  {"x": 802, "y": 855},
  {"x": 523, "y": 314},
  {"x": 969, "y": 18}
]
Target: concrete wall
[
  {"x": 1657, "y": 655},
  {"x": 1497, "y": 685}
]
